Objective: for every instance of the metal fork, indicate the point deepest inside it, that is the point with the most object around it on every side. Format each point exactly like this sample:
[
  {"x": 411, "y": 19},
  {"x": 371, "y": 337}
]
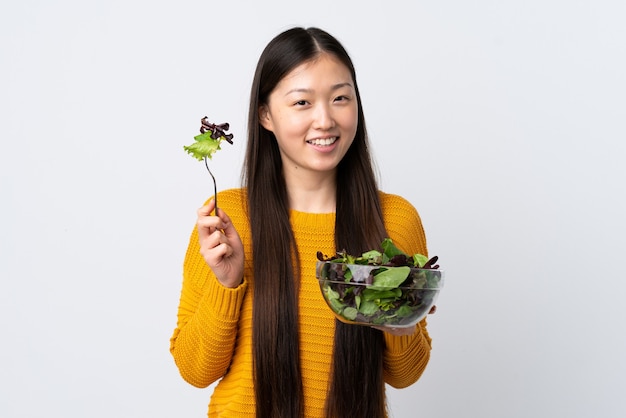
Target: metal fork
[
  {"x": 217, "y": 131},
  {"x": 206, "y": 163}
]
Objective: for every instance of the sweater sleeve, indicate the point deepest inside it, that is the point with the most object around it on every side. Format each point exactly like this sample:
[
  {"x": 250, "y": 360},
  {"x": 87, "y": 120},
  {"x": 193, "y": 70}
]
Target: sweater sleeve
[
  {"x": 204, "y": 339},
  {"x": 406, "y": 357}
]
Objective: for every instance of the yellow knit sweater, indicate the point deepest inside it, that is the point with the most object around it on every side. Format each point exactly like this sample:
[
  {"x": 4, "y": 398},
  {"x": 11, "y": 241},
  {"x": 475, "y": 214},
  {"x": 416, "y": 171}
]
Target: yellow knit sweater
[{"x": 213, "y": 337}]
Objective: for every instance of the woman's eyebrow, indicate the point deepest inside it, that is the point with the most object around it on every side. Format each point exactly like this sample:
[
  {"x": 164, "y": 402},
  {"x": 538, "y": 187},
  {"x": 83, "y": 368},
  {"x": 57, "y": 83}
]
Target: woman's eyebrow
[
  {"x": 340, "y": 85},
  {"x": 306, "y": 90}
]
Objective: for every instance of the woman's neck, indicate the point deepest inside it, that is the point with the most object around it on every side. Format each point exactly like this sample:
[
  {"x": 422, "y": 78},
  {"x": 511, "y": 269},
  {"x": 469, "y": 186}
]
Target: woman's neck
[{"x": 312, "y": 193}]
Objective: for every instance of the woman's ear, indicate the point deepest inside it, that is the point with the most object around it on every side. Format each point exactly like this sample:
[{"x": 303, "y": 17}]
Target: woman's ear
[{"x": 264, "y": 118}]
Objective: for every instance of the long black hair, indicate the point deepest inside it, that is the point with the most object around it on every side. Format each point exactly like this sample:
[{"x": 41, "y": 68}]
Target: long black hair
[{"x": 358, "y": 351}]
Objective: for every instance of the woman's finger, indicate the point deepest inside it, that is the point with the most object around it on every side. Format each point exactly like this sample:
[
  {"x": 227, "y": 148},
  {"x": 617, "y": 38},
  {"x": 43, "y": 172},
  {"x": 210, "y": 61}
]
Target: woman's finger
[{"x": 207, "y": 223}]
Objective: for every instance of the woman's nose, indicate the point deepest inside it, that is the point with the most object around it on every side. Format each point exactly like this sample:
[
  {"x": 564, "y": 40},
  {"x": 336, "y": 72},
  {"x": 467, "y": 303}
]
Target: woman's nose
[{"x": 323, "y": 117}]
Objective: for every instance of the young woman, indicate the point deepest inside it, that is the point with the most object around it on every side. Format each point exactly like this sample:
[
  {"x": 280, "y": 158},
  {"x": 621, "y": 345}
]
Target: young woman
[{"x": 251, "y": 312}]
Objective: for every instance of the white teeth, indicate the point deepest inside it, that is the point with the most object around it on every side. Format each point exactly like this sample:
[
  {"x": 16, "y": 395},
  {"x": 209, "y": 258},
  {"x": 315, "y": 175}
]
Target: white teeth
[{"x": 323, "y": 142}]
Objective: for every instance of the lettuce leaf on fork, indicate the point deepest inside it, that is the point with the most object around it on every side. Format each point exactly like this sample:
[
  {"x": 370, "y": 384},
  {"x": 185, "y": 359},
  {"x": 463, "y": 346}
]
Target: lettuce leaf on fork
[{"x": 204, "y": 146}]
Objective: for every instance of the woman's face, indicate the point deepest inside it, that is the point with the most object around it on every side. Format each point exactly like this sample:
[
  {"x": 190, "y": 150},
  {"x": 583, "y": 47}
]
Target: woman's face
[{"x": 313, "y": 112}]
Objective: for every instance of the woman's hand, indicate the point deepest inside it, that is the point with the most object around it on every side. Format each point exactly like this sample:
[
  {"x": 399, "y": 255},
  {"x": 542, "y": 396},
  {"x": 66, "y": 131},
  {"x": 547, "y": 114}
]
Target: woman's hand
[{"x": 220, "y": 245}]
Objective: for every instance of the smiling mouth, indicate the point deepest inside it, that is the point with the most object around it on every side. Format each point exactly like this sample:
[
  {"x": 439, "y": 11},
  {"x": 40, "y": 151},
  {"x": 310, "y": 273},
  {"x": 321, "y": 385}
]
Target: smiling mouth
[{"x": 323, "y": 142}]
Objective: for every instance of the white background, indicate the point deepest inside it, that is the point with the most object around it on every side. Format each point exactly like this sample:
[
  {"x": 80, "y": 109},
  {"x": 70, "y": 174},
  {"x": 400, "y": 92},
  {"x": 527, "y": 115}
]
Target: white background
[{"x": 502, "y": 122}]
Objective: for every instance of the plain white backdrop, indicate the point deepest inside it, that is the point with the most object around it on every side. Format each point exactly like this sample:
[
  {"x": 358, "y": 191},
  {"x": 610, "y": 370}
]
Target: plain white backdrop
[{"x": 502, "y": 122}]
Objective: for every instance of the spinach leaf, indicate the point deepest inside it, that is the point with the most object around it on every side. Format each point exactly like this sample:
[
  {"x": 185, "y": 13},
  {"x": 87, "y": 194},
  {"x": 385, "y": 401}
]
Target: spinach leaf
[{"x": 390, "y": 278}]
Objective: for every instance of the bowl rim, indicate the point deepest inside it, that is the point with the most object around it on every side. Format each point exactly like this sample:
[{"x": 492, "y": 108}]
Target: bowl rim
[
  {"x": 323, "y": 280},
  {"x": 440, "y": 273},
  {"x": 377, "y": 266}
]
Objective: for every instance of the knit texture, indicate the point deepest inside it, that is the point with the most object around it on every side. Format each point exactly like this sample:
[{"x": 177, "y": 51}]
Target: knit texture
[{"x": 213, "y": 336}]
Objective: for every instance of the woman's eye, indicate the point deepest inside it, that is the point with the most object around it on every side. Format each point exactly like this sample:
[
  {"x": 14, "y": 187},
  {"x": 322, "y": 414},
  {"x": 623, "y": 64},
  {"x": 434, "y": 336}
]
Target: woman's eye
[
  {"x": 301, "y": 102},
  {"x": 341, "y": 99}
]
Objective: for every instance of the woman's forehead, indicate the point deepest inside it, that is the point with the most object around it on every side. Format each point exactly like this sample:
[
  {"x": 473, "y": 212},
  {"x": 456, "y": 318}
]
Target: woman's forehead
[{"x": 323, "y": 71}]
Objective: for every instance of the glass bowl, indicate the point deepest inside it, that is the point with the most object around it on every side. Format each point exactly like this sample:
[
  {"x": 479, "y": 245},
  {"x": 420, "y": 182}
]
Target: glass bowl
[{"x": 394, "y": 297}]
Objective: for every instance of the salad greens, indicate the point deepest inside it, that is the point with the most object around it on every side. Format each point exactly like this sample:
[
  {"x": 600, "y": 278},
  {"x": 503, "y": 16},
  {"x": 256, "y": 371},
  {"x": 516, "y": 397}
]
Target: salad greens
[
  {"x": 205, "y": 146},
  {"x": 208, "y": 142},
  {"x": 385, "y": 287}
]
